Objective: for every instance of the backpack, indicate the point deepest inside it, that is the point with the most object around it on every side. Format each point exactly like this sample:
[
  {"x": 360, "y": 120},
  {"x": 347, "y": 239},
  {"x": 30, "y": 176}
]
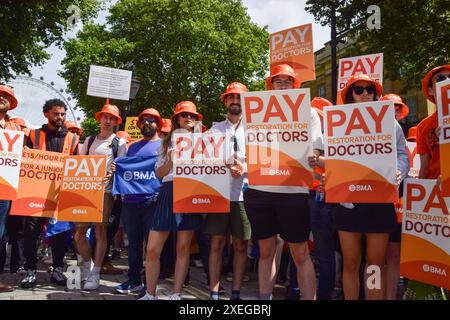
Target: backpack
[{"x": 114, "y": 145}]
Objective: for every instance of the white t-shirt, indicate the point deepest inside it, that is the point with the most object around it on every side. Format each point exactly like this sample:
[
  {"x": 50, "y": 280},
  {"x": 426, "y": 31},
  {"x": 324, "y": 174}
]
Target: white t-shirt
[
  {"x": 103, "y": 147},
  {"x": 162, "y": 160},
  {"x": 317, "y": 142},
  {"x": 239, "y": 132}
]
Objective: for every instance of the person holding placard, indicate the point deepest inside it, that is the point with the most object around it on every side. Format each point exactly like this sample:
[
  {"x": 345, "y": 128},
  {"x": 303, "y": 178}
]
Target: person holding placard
[
  {"x": 165, "y": 221},
  {"x": 53, "y": 136},
  {"x": 8, "y": 101},
  {"x": 236, "y": 221},
  {"x": 427, "y": 135},
  {"x": 283, "y": 210},
  {"x": 105, "y": 143},
  {"x": 375, "y": 221}
]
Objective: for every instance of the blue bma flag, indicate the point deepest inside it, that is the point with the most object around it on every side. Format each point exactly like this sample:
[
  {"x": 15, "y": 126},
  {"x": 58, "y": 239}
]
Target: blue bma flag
[
  {"x": 136, "y": 175},
  {"x": 55, "y": 227}
]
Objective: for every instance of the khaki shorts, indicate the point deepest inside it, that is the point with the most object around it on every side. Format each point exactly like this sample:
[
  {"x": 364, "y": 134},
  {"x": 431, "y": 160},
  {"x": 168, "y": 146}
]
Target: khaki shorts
[
  {"x": 236, "y": 222},
  {"x": 108, "y": 203}
]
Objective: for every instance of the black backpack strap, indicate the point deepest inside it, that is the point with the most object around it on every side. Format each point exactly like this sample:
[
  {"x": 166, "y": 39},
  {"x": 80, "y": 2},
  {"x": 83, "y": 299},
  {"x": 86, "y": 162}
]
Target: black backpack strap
[
  {"x": 115, "y": 146},
  {"x": 37, "y": 138},
  {"x": 91, "y": 140}
]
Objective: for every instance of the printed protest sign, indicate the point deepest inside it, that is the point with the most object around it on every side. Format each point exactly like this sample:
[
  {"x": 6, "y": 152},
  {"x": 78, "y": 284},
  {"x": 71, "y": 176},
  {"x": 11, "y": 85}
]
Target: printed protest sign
[
  {"x": 414, "y": 159},
  {"x": 278, "y": 137},
  {"x": 294, "y": 47},
  {"x": 360, "y": 153},
  {"x": 425, "y": 246},
  {"x": 82, "y": 189},
  {"x": 201, "y": 182},
  {"x": 40, "y": 178},
  {"x": 11, "y": 143},
  {"x": 371, "y": 64},
  {"x": 132, "y": 128},
  {"x": 443, "y": 106},
  {"x": 107, "y": 82}
]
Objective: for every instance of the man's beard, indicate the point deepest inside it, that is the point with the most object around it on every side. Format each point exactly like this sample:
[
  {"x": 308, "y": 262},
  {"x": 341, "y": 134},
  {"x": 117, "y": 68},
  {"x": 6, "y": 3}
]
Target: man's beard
[
  {"x": 57, "y": 124},
  {"x": 148, "y": 131},
  {"x": 235, "y": 109}
]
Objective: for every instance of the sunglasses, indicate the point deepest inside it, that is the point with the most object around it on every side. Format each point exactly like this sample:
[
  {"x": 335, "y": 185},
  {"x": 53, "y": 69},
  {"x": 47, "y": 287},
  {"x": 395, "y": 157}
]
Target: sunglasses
[
  {"x": 188, "y": 115},
  {"x": 359, "y": 90},
  {"x": 149, "y": 120},
  {"x": 442, "y": 77}
]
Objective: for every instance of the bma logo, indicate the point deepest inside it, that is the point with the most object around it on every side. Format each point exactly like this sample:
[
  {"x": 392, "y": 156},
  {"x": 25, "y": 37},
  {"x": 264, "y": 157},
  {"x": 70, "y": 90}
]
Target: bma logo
[
  {"x": 128, "y": 175},
  {"x": 278, "y": 172},
  {"x": 431, "y": 269},
  {"x": 200, "y": 201},
  {"x": 138, "y": 175},
  {"x": 359, "y": 187},
  {"x": 37, "y": 205}
]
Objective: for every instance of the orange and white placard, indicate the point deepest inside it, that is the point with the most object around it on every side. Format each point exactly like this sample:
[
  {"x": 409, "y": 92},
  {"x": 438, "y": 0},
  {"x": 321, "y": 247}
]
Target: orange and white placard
[
  {"x": 360, "y": 153},
  {"x": 278, "y": 137},
  {"x": 294, "y": 47},
  {"x": 82, "y": 189},
  {"x": 11, "y": 144},
  {"x": 414, "y": 159},
  {"x": 201, "y": 182},
  {"x": 425, "y": 246},
  {"x": 371, "y": 64},
  {"x": 40, "y": 178},
  {"x": 443, "y": 110}
]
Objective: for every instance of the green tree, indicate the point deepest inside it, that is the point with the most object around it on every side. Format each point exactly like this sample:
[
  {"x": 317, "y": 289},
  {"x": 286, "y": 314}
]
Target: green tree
[
  {"x": 413, "y": 35},
  {"x": 29, "y": 27},
  {"x": 178, "y": 49}
]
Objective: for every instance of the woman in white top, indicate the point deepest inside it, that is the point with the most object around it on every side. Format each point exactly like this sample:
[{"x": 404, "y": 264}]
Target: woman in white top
[{"x": 165, "y": 221}]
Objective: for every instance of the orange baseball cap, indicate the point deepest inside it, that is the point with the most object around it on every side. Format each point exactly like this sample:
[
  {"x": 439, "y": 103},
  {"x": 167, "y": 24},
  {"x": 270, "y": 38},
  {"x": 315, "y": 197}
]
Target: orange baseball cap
[
  {"x": 10, "y": 92},
  {"x": 73, "y": 124},
  {"x": 111, "y": 110},
  {"x": 235, "y": 87},
  {"x": 282, "y": 69},
  {"x": 150, "y": 112},
  {"x": 404, "y": 110},
  {"x": 186, "y": 106},
  {"x": 360, "y": 77},
  {"x": 427, "y": 78}
]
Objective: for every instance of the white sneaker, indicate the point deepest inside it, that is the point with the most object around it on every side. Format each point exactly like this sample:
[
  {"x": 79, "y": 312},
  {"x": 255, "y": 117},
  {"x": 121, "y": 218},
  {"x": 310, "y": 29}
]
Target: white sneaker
[
  {"x": 175, "y": 296},
  {"x": 92, "y": 282},
  {"x": 86, "y": 271},
  {"x": 148, "y": 297}
]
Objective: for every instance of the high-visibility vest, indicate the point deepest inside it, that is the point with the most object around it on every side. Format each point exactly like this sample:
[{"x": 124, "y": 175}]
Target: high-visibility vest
[{"x": 38, "y": 139}]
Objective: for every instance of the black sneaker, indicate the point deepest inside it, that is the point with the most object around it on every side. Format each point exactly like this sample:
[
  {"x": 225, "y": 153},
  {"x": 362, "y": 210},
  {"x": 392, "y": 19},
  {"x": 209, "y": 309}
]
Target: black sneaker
[
  {"x": 58, "y": 277},
  {"x": 115, "y": 254},
  {"x": 29, "y": 280}
]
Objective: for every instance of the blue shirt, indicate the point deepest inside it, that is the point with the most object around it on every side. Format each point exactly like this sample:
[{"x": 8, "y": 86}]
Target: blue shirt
[{"x": 142, "y": 148}]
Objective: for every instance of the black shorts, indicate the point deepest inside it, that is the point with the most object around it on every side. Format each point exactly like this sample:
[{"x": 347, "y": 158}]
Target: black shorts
[
  {"x": 366, "y": 218},
  {"x": 271, "y": 213}
]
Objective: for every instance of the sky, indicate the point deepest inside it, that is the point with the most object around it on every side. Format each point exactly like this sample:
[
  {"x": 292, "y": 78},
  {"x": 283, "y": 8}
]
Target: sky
[{"x": 276, "y": 14}]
